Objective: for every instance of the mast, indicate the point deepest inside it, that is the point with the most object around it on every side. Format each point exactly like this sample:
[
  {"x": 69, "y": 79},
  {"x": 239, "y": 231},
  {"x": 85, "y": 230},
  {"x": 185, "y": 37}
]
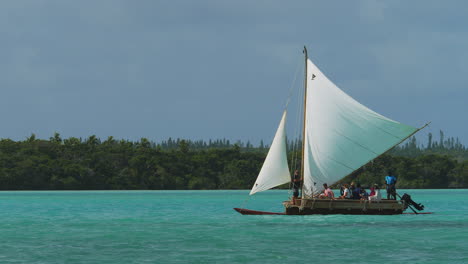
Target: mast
[{"x": 304, "y": 121}]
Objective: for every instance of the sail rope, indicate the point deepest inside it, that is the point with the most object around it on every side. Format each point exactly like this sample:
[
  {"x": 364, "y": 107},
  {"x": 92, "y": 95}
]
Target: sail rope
[
  {"x": 297, "y": 129},
  {"x": 291, "y": 91},
  {"x": 245, "y": 201},
  {"x": 294, "y": 154}
]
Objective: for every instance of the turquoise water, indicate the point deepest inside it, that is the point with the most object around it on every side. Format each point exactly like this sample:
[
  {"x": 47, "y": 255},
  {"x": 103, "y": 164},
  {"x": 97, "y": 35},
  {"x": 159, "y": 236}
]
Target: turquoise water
[{"x": 201, "y": 227}]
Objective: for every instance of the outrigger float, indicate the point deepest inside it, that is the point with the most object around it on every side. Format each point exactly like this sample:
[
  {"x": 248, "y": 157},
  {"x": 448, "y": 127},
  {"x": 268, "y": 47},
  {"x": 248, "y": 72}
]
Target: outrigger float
[{"x": 340, "y": 135}]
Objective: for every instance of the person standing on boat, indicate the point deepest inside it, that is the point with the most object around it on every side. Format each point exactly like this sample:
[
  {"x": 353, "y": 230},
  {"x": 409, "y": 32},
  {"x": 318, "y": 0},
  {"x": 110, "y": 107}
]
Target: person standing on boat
[
  {"x": 391, "y": 181},
  {"x": 297, "y": 183}
]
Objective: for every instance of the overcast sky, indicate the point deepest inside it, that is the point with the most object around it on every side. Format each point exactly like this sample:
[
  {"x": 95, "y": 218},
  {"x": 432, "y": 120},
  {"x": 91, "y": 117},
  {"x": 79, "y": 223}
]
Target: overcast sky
[{"x": 223, "y": 69}]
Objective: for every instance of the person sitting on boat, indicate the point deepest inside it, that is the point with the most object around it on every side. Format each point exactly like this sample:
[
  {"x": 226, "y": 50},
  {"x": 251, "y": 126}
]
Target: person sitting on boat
[
  {"x": 327, "y": 192},
  {"x": 346, "y": 192},
  {"x": 377, "y": 195},
  {"x": 391, "y": 180},
  {"x": 364, "y": 194},
  {"x": 351, "y": 189},
  {"x": 356, "y": 192},
  {"x": 296, "y": 182}
]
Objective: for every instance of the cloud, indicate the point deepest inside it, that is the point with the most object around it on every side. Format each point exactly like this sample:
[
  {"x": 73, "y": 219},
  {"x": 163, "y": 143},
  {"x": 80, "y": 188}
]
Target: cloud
[
  {"x": 212, "y": 69},
  {"x": 372, "y": 10}
]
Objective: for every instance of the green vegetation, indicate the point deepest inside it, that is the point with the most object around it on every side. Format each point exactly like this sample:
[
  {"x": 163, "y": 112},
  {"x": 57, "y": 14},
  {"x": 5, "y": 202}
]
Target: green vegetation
[
  {"x": 92, "y": 164},
  {"x": 439, "y": 164}
]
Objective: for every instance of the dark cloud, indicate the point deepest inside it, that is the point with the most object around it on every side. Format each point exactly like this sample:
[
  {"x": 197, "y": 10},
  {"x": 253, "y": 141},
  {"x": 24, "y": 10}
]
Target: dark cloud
[{"x": 211, "y": 69}]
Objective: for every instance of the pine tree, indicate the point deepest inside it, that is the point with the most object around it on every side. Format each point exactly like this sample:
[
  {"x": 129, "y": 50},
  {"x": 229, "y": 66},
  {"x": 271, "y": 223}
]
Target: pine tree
[
  {"x": 441, "y": 140},
  {"x": 429, "y": 141}
]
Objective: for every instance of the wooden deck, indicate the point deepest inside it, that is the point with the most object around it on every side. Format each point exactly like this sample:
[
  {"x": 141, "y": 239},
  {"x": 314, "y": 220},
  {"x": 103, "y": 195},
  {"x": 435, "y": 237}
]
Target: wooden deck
[{"x": 344, "y": 206}]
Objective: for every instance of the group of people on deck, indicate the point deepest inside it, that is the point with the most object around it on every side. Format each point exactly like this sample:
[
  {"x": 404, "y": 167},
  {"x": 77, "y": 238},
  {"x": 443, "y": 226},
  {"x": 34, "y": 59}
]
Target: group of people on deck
[{"x": 350, "y": 191}]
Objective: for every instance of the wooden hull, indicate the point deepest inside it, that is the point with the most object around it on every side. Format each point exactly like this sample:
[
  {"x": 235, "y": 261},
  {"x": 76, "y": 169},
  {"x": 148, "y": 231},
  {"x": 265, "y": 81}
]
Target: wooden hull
[
  {"x": 327, "y": 206},
  {"x": 345, "y": 206}
]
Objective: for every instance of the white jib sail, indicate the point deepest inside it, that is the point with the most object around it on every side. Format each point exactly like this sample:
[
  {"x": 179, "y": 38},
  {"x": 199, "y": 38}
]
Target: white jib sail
[
  {"x": 341, "y": 134},
  {"x": 275, "y": 170}
]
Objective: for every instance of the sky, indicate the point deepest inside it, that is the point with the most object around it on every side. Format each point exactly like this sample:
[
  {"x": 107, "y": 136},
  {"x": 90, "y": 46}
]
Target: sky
[{"x": 210, "y": 69}]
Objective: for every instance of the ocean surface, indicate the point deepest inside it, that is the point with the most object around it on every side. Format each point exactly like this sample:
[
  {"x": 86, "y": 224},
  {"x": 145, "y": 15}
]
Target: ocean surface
[{"x": 201, "y": 227}]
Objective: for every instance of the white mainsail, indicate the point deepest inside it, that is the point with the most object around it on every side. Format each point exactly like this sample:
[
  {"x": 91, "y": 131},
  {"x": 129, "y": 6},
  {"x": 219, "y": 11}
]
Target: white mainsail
[
  {"x": 275, "y": 170},
  {"x": 341, "y": 135}
]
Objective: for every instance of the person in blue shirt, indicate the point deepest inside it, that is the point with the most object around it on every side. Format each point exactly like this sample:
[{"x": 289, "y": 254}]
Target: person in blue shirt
[
  {"x": 391, "y": 181},
  {"x": 357, "y": 192}
]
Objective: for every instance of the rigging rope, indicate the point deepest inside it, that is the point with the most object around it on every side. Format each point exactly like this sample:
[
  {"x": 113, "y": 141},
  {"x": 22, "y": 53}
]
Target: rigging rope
[
  {"x": 290, "y": 94},
  {"x": 245, "y": 201},
  {"x": 296, "y": 133},
  {"x": 292, "y": 85}
]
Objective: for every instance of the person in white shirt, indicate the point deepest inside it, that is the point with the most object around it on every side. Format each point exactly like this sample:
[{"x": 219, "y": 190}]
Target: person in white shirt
[
  {"x": 377, "y": 196},
  {"x": 346, "y": 192}
]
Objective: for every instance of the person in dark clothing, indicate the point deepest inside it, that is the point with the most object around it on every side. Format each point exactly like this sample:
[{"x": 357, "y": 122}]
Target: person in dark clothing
[
  {"x": 391, "y": 190},
  {"x": 356, "y": 194},
  {"x": 364, "y": 195},
  {"x": 296, "y": 183},
  {"x": 352, "y": 186}
]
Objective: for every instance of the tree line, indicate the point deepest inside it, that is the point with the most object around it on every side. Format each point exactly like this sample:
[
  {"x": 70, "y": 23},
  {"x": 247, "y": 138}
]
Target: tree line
[{"x": 95, "y": 164}]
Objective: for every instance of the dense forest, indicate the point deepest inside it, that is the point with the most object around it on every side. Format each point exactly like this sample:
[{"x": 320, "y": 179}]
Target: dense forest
[{"x": 95, "y": 164}]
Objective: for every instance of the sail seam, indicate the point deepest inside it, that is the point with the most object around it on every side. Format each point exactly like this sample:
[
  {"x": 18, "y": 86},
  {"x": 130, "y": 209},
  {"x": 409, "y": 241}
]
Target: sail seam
[
  {"x": 381, "y": 129},
  {"x": 357, "y": 143},
  {"x": 387, "y": 150}
]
